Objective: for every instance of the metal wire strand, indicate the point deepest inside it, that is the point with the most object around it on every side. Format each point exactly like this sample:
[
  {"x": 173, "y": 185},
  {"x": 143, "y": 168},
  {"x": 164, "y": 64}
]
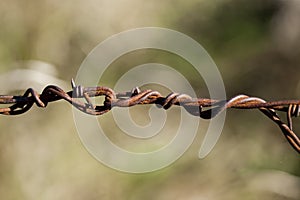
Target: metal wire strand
[{"x": 201, "y": 107}]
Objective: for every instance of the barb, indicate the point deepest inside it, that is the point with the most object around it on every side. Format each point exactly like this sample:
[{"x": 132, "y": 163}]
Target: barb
[{"x": 201, "y": 107}]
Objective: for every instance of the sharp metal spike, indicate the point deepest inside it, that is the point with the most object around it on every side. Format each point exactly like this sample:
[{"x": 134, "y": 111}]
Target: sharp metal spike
[
  {"x": 73, "y": 83},
  {"x": 135, "y": 91}
]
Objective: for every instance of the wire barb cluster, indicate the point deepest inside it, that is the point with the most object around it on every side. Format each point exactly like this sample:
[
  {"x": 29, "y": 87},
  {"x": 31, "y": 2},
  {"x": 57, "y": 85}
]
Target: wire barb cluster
[{"x": 201, "y": 107}]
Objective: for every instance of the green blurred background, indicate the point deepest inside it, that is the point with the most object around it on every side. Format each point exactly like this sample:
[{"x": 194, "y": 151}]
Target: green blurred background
[{"x": 254, "y": 43}]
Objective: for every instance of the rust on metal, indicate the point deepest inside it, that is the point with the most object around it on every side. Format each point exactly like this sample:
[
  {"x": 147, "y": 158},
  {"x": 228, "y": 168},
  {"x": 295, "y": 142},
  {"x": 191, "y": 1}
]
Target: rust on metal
[{"x": 201, "y": 107}]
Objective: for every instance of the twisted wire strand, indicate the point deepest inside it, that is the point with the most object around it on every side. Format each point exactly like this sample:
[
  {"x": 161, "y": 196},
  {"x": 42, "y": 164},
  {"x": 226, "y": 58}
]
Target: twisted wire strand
[{"x": 201, "y": 107}]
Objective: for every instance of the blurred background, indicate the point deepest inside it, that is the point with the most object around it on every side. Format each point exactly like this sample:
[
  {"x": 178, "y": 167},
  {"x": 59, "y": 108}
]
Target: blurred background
[{"x": 255, "y": 44}]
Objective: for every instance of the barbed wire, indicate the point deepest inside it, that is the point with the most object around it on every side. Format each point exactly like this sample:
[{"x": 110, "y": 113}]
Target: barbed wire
[{"x": 201, "y": 107}]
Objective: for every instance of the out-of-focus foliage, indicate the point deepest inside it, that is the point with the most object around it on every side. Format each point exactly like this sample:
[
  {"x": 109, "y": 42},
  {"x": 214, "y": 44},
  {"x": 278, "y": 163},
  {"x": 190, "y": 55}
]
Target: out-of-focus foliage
[{"x": 256, "y": 45}]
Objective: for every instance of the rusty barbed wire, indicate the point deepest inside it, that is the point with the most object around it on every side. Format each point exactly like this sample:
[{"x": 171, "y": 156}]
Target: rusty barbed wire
[{"x": 201, "y": 107}]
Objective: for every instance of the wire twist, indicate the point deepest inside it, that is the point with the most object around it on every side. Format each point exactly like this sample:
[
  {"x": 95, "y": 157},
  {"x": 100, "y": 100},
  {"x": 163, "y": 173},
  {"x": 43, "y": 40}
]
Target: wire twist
[{"x": 201, "y": 107}]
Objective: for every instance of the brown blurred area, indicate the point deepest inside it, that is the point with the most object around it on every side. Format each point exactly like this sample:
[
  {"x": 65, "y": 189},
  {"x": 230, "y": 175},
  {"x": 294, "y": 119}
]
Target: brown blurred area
[{"x": 255, "y": 44}]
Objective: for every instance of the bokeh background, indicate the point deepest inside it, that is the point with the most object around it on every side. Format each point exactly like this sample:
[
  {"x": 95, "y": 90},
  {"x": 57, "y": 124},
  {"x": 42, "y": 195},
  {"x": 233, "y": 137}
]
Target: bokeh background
[{"x": 255, "y": 44}]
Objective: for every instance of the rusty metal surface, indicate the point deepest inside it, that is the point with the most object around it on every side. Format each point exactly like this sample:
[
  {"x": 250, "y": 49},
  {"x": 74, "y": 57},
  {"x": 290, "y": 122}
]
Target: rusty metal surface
[{"x": 201, "y": 107}]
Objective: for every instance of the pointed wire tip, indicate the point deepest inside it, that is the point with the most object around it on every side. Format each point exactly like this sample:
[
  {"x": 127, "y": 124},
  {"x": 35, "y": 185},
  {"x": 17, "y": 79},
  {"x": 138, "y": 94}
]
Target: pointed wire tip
[
  {"x": 135, "y": 91},
  {"x": 73, "y": 83}
]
